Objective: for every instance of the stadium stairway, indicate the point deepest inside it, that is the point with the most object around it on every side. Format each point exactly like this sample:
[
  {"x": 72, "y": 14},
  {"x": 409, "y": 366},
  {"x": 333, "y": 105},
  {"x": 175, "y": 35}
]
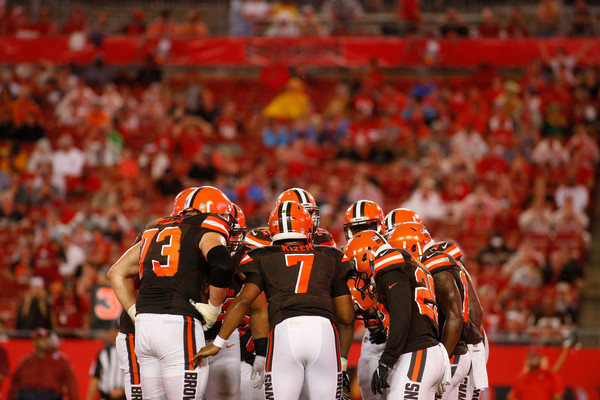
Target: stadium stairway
[{"x": 589, "y": 318}]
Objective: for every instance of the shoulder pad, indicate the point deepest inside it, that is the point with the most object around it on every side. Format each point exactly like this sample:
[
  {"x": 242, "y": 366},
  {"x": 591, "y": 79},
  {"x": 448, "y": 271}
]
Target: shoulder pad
[
  {"x": 437, "y": 261},
  {"x": 450, "y": 248},
  {"x": 389, "y": 258},
  {"x": 323, "y": 237},
  {"x": 258, "y": 237}
]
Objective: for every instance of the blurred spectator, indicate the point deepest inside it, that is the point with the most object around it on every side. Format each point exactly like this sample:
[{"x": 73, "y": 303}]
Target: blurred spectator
[
  {"x": 106, "y": 377},
  {"x": 516, "y": 25},
  {"x": 149, "y": 72},
  {"x": 34, "y": 310},
  {"x": 45, "y": 374},
  {"x": 548, "y": 13},
  {"x": 256, "y": 13},
  {"x": 136, "y": 24},
  {"x": 275, "y": 134},
  {"x": 524, "y": 268},
  {"x": 496, "y": 253},
  {"x": 162, "y": 25},
  {"x": 488, "y": 28},
  {"x": 292, "y": 103},
  {"x": 537, "y": 219},
  {"x": 284, "y": 23},
  {"x": 193, "y": 26},
  {"x": 568, "y": 219},
  {"x": 70, "y": 311},
  {"x": 537, "y": 381},
  {"x": 550, "y": 151},
  {"x": 67, "y": 165},
  {"x": 426, "y": 201},
  {"x": 452, "y": 24},
  {"x": 310, "y": 24},
  {"x": 44, "y": 25},
  {"x": 72, "y": 257},
  {"x": 582, "y": 20},
  {"x": 341, "y": 16},
  {"x": 409, "y": 13},
  {"x": 169, "y": 183},
  {"x": 202, "y": 170},
  {"x": 570, "y": 189},
  {"x": 582, "y": 143},
  {"x": 98, "y": 73},
  {"x": 77, "y": 21},
  {"x": 24, "y": 105}
]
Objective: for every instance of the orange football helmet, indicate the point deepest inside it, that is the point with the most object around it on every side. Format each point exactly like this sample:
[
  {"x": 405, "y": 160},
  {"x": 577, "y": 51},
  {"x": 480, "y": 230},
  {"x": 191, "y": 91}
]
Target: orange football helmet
[
  {"x": 237, "y": 233},
  {"x": 305, "y": 199},
  {"x": 289, "y": 220},
  {"x": 400, "y": 215},
  {"x": 361, "y": 216},
  {"x": 205, "y": 199},
  {"x": 412, "y": 237},
  {"x": 361, "y": 248}
]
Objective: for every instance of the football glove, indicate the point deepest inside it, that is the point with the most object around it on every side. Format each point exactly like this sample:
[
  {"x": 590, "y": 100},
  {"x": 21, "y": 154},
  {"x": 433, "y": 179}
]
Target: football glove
[
  {"x": 258, "y": 367},
  {"x": 380, "y": 379},
  {"x": 379, "y": 336},
  {"x": 209, "y": 312}
]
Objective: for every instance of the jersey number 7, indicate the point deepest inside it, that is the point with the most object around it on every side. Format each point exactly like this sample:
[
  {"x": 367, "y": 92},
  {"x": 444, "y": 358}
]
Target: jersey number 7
[
  {"x": 306, "y": 264},
  {"x": 171, "y": 236}
]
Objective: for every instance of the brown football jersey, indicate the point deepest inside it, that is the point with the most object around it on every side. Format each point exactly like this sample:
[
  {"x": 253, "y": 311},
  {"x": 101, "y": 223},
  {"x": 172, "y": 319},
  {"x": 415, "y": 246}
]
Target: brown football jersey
[
  {"x": 173, "y": 270},
  {"x": 297, "y": 280}
]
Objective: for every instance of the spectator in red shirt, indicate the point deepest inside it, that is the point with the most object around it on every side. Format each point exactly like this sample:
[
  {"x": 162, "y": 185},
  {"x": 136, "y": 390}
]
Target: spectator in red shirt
[
  {"x": 77, "y": 21},
  {"x": 44, "y": 24},
  {"x": 4, "y": 365},
  {"x": 489, "y": 27},
  {"x": 71, "y": 311},
  {"x": 45, "y": 374},
  {"x": 410, "y": 13},
  {"x": 516, "y": 27},
  {"x": 136, "y": 24},
  {"x": 537, "y": 382}
]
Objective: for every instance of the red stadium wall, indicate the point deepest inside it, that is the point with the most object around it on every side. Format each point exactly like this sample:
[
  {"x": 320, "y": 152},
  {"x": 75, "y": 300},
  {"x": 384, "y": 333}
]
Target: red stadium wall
[
  {"x": 580, "y": 372},
  {"x": 332, "y": 52}
]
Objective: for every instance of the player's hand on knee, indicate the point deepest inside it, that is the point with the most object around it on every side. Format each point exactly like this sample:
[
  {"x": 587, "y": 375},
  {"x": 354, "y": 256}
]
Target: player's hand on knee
[
  {"x": 258, "y": 368},
  {"x": 209, "y": 312},
  {"x": 204, "y": 352},
  {"x": 380, "y": 379}
]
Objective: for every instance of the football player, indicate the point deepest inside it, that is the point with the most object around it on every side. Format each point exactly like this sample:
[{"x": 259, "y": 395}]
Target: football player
[
  {"x": 398, "y": 216},
  {"x": 309, "y": 308},
  {"x": 173, "y": 257},
  {"x": 225, "y": 377},
  {"x": 414, "y": 363},
  {"x": 376, "y": 321},
  {"x": 125, "y": 345},
  {"x": 476, "y": 340},
  {"x": 320, "y": 236},
  {"x": 450, "y": 293},
  {"x": 361, "y": 216}
]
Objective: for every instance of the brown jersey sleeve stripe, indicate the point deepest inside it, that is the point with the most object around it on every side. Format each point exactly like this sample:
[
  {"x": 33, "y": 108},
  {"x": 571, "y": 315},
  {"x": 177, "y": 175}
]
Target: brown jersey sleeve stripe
[
  {"x": 134, "y": 367},
  {"x": 436, "y": 262}
]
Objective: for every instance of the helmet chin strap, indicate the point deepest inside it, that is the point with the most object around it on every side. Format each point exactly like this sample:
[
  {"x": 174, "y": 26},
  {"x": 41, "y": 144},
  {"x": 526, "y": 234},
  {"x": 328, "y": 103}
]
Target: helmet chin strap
[{"x": 372, "y": 267}]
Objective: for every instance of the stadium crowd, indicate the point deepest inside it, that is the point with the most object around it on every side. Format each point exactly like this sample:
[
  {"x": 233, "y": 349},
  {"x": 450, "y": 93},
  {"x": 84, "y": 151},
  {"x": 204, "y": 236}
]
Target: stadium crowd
[
  {"x": 503, "y": 163},
  {"x": 288, "y": 18}
]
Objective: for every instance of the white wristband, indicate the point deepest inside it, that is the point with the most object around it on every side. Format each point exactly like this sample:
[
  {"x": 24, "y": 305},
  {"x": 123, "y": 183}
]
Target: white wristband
[
  {"x": 132, "y": 312},
  {"x": 219, "y": 342},
  {"x": 344, "y": 362}
]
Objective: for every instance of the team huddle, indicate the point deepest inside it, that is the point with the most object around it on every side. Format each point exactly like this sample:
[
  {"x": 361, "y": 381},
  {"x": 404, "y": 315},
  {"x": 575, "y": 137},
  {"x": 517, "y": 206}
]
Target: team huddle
[{"x": 213, "y": 311}]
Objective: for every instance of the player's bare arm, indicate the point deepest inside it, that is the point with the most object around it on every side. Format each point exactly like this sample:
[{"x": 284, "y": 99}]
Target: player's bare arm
[
  {"x": 449, "y": 303},
  {"x": 475, "y": 308},
  {"x": 121, "y": 276},
  {"x": 259, "y": 317},
  {"x": 344, "y": 318},
  {"x": 234, "y": 315}
]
